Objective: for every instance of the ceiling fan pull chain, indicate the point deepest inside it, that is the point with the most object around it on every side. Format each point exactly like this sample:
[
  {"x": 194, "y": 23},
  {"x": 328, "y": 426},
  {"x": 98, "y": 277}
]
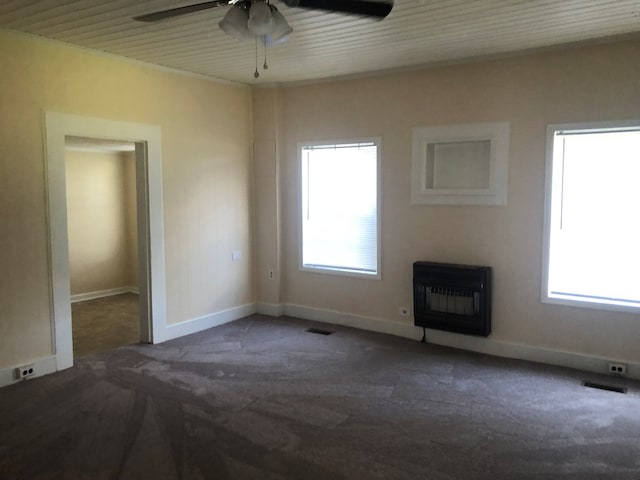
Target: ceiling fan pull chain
[
  {"x": 256, "y": 74},
  {"x": 265, "y": 66}
]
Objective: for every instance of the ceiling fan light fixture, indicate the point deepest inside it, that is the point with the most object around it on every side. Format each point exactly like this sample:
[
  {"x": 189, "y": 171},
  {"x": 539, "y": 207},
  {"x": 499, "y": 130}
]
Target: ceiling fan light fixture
[
  {"x": 281, "y": 29},
  {"x": 235, "y": 21},
  {"x": 260, "y": 19}
]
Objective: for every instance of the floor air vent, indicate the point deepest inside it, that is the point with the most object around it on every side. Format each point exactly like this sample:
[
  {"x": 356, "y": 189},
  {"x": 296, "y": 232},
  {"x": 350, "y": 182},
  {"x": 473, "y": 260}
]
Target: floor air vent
[
  {"x": 319, "y": 331},
  {"x": 603, "y": 386}
]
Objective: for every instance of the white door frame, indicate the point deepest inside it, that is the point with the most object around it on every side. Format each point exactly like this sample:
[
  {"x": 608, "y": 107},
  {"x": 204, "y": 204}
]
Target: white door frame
[{"x": 150, "y": 222}]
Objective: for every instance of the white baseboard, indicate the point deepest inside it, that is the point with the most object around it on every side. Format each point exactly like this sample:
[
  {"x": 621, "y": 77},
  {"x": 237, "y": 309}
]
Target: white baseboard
[
  {"x": 81, "y": 297},
  {"x": 42, "y": 366},
  {"x": 195, "y": 325},
  {"x": 355, "y": 321},
  {"x": 488, "y": 346},
  {"x": 271, "y": 309}
]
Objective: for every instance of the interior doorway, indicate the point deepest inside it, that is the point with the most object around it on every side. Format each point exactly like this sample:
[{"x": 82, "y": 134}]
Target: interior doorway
[
  {"x": 150, "y": 228},
  {"x": 102, "y": 226}
]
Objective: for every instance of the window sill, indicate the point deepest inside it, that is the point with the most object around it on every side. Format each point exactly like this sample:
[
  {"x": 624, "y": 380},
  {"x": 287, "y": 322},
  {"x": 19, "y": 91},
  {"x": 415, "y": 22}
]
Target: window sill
[
  {"x": 342, "y": 272},
  {"x": 591, "y": 303}
]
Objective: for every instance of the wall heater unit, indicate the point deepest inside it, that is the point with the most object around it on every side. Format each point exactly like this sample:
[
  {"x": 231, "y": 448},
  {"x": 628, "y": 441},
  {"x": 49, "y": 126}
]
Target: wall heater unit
[{"x": 456, "y": 298}]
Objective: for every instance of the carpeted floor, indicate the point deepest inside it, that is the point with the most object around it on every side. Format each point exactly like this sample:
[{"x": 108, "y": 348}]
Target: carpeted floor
[
  {"x": 105, "y": 323},
  {"x": 261, "y": 398}
]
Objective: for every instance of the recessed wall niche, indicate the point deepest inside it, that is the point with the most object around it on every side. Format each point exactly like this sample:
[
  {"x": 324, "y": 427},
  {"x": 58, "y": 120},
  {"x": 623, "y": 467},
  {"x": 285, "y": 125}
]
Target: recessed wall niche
[{"x": 460, "y": 164}]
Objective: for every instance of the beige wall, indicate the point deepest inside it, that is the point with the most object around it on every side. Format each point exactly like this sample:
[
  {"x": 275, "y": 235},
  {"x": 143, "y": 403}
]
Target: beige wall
[
  {"x": 577, "y": 85},
  {"x": 206, "y": 139},
  {"x": 267, "y": 221},
  {"x": 101, "y": 220},
  {"x": 208, "y": 181},
  {"x": 131, "y": 217}
]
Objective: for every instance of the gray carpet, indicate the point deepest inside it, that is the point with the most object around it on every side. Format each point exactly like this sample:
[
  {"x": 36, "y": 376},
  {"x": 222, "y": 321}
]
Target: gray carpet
[
  {"x": 102, "y": 324},
  {"x": 260, "y": 398}
]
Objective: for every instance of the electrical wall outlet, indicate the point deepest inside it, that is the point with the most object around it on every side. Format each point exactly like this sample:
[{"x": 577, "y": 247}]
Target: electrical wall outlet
[
  {"x": 404, "y": 311},
  {"x": 24, "y": 371},
  {"x": 618, "y": 368}
]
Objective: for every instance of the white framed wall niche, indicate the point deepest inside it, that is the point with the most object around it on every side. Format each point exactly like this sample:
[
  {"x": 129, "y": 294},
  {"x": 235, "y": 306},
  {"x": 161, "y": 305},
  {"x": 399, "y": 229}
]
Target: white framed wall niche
[{"x": 465, "y": 164}]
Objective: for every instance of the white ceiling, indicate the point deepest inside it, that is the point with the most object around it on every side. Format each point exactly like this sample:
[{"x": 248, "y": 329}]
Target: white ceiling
[{"x": 324, "y": 45}]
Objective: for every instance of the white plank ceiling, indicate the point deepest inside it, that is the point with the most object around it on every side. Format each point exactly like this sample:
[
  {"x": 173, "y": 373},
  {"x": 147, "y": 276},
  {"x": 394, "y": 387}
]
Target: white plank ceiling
[{"x": 324, "y": 45}]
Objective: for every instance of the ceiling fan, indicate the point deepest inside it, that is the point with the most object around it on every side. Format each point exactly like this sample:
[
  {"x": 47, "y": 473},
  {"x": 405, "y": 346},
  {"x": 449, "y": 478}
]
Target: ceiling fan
[
  {"x": 249, "y": 18},
  {"x": 259, "y": 19}
]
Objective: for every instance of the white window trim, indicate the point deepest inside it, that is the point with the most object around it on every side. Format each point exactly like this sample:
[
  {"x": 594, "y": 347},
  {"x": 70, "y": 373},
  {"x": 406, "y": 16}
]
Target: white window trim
[
  {"x": 334, "y": 271},
  {"x": 546, "y": 240}
]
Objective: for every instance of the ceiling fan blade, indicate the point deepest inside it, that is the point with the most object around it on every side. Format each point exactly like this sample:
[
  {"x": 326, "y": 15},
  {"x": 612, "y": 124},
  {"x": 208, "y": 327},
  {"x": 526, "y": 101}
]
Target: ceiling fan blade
[
  {"x": 174, "y": 12},
  {"x": 367, "y": 8}
]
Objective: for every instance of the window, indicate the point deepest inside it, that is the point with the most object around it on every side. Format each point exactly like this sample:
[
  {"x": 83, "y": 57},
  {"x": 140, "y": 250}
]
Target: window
[
  {"x": 592, "y": 216},
  {"x": 340, "y": 205}
]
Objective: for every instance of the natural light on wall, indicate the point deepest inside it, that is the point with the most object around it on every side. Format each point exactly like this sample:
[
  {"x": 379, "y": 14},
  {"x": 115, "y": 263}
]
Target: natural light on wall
[
  {"x": 339, "y": 207},
  {"x": 593, "y": 216}
]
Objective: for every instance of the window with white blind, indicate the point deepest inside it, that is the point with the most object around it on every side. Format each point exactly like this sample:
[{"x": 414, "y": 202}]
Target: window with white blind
[
  {"x": 340, "y": 207},
  {"x": 592, "y": 221}
]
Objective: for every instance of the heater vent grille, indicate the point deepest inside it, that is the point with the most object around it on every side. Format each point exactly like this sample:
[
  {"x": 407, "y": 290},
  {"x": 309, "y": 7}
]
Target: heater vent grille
[
  {"x": 319, "y": 331},
  {"x": 452, "y": 297},
  {"x": 604, "y": 386}
]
